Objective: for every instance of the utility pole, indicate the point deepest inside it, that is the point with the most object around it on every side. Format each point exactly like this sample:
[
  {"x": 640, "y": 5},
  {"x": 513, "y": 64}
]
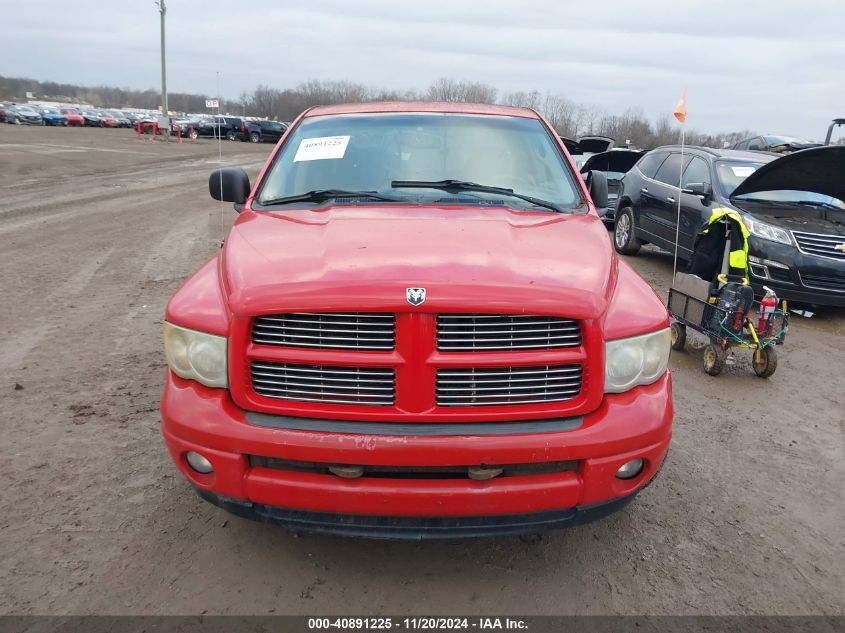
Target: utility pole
[{"x": 164, "y": 109}]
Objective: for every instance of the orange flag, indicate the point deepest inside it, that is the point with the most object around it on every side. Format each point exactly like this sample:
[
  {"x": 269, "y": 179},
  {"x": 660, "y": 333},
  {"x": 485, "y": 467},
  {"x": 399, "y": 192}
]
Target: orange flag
[{"x": 681, "y": 109}]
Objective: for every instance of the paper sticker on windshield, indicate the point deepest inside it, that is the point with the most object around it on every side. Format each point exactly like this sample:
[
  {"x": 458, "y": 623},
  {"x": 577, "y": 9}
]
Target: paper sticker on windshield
[
  {"x": 742, "y": 171},
  {"x": 322, "y": 148}
]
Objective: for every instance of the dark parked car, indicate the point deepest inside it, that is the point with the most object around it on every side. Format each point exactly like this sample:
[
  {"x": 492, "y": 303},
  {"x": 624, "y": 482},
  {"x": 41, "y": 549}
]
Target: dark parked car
[
  {"x": 226, "y": 127},
  {"x": 615, "y": 164},
  {"x": 23, "y": 115},
  {"x": 793, "y": 207},
  {"x": 263, "y": 131},
  {"x": 774, "y": 143},
  {"x": 92, "y": 118}
]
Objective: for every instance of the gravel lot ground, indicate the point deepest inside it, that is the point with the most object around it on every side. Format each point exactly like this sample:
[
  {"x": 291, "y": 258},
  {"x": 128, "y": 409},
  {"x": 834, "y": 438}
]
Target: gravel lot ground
[{"x": 98, "y": 229}]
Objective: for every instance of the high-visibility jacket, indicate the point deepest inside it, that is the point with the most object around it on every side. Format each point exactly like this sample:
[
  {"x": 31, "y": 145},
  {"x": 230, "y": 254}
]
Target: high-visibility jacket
[
  {"x": 708, "y": 250},
  {"x": 738, "y": 257}
]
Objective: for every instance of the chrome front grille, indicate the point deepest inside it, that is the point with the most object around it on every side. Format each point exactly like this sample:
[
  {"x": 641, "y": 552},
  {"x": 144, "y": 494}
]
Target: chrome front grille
[
  {"x": 472, "y": 387},
  {"x": 820, "y": 244},
  {"x": 479, "y": 332},
  {"x": 321, "y": 383},
  {"x": 327, "y": 330}
]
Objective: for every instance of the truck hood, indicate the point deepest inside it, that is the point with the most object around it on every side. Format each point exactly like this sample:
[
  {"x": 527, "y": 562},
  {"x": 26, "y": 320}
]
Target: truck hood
[
  {"x": 820, "y": 170},
  {"x": 358, "y": 258}
]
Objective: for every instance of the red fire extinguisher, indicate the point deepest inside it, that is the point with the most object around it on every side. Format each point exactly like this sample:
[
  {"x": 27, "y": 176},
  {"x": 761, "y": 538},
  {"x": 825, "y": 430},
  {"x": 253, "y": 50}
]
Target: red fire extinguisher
[{"x": 768, "y": 304}]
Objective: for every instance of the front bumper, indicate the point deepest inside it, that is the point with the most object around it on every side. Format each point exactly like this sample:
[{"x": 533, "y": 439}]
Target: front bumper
[
  {"x": 636, "y": 424},
  {"x": 800, "y": 277},
  {"x": 417, "y": 528}
]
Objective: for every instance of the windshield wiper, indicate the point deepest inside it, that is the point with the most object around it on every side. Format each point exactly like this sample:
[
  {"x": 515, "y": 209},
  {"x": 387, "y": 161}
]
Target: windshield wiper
[
  {"x": 791, "y": 203},
  {"x": 825, "y": 205},
  {"x": 464, "y": 185},
  {"x": 318, "y": 195}
]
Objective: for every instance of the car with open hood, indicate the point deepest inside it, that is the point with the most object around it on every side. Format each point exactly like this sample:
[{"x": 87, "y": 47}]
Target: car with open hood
[
  {"x": 793, "y": 207},
  {"x": 614, "y": 164},
  {"x": 416, "y": 328},
  {"x": 836, "y": 123},
  {"x": 775, "y": 143}
]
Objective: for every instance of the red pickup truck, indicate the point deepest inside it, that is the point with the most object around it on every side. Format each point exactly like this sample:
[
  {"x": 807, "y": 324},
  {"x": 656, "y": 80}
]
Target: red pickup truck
[{"x": 417, "y": 328}]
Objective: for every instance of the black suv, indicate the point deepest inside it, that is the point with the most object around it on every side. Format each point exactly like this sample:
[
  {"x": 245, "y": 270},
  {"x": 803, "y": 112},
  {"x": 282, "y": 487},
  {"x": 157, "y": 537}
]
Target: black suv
[
  {"x": 228, "y": 127},
  {"x": 793, "y": 208},
  {"x": 260, "y": 131}
]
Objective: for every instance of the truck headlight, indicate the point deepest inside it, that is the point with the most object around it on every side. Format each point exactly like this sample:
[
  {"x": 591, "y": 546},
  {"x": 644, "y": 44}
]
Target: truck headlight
[
  {"x": 196, "y": 355},
  {"x": 766, "y": 231},
  {"x": 639, "y": 360}
]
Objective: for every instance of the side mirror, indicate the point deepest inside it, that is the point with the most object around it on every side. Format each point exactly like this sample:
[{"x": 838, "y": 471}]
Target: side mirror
[
  {"x": 702, "y": 189},
  {"x": 230, "y": 184},
  {"x": 597, "y": 186}
]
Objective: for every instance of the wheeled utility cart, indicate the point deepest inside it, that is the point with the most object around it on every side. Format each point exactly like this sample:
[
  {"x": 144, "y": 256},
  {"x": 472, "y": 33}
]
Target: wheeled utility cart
[
  {"x": 716, "y": 300},
  {"x": 716, "y": 322}
]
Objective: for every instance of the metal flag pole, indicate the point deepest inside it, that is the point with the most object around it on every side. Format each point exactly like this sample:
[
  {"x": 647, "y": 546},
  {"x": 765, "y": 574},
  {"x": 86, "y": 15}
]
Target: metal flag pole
[
  {"x": 678, "y": 219},
  {"x": 220, "y": 157}
]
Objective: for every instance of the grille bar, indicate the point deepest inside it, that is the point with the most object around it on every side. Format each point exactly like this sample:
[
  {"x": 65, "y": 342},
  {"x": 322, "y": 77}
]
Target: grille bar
[
  {"x": 321, "y": 383},
  {"x": 824, "y": 282},
  {"x": 327, "y": 330},
  {"x": 507, "y": 385},
  {"x": 479, "y": 332},
  {"x": 820, "y": 244}
]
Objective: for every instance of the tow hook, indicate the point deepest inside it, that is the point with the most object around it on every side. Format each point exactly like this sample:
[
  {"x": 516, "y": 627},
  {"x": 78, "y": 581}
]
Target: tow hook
[
  {"x": 482, "y": 473},
  {"x": 347, "y": 472}
]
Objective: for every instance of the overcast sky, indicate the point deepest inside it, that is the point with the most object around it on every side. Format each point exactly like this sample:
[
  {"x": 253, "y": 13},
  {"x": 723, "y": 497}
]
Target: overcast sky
[{"x": 773, "y": 66}]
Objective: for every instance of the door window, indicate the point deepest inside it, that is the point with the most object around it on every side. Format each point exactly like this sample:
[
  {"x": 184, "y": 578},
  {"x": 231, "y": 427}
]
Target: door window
[
  {"x": 650, "y": 162},
  {"x": 696, "y": 171},
  {"x": 670, "y": 170}
]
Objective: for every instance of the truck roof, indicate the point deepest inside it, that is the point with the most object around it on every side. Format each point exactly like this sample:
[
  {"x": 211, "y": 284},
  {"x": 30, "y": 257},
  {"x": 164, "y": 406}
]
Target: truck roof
[{"x": 422, "y": 106}]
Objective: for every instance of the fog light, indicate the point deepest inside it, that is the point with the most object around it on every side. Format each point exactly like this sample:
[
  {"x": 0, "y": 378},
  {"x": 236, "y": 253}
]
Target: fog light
[
  {"x": 200, "y": 463},
  {"x": 631, "y": 469}
]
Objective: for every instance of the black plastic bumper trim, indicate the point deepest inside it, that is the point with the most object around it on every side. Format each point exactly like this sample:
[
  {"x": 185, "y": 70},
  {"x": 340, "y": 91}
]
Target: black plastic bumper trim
[
  {"x": 420, "y": 429},
  {"x": 416, "y": 528}
]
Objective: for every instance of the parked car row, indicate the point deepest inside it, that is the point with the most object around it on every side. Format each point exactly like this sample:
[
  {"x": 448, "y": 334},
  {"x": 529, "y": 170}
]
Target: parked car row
[
  {"x": 27, "y": 114},
  {"x": 793, "y": 207},
  {"x": 193, "y": 126}
]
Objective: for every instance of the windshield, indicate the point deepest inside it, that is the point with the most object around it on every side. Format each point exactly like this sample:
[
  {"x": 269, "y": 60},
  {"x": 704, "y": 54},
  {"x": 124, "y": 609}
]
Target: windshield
[
  {"x": 370, "y": 152},
  {"x": 785, "y": 140},
  {"x": 790, "y": 195},
  {"x": 731, "y": 173}
]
